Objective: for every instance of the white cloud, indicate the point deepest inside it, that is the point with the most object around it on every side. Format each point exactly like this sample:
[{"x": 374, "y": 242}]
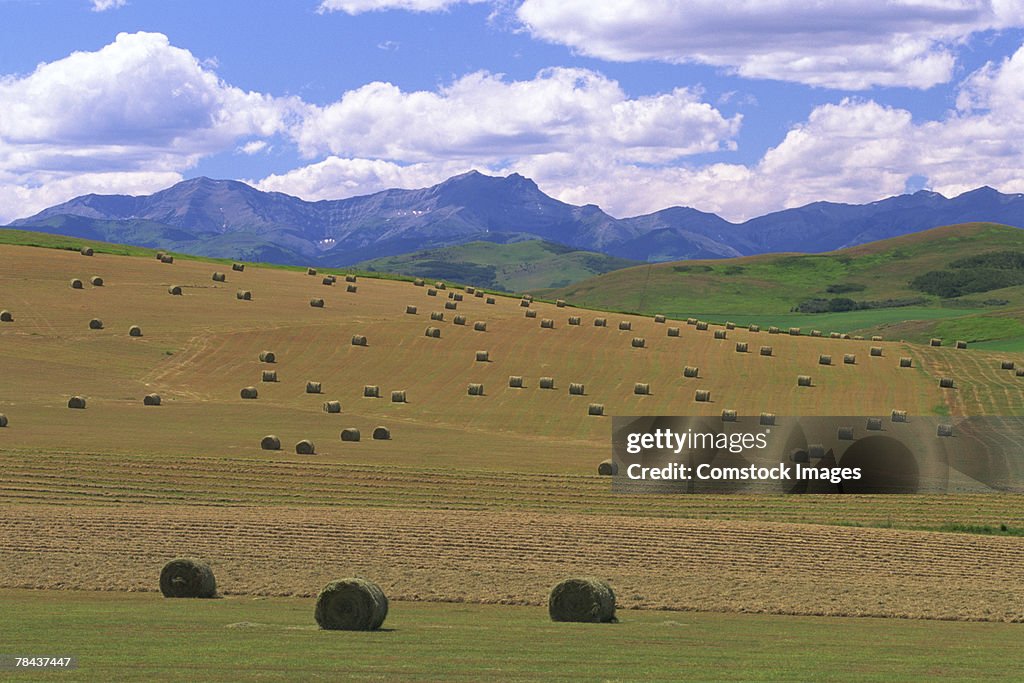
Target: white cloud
[
  {"x": 253, "y": 147},
  {"x": 335, "y": 177},
  {"x": 847, "y": 44},
  {"x": 360, "y": 6},
  {"x": 104, "y": 5}
]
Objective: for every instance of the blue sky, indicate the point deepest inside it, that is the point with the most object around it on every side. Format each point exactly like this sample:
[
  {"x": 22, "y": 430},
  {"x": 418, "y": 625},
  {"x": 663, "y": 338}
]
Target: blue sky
[{"x": 734, "y": 107}]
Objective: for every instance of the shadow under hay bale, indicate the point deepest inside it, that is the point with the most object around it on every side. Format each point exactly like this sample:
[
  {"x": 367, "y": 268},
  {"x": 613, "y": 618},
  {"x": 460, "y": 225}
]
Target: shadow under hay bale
[
  {"x": 187, "y": 578},
  {"x": 249, "y": 393},
  {"x": 475, "y": 389},
  {"x": 350, "y": 434},
  {"x": 270, "y": 443},
  {"x": 175, "y": 290},
  {"x": 76, "y": 284},
  {"x": 583, "y": 600},
  {"x": 398, "y": 396},
  {"x": 359, "y": 340},
  {"x": 332, "y": 407},
  {"x": 134, "y": 331},
  {"x": 243, "y": 295},
  {"x": 607, "y": 468},
  {"x": 351, "y": 605},
  {"x": 95, "y": 324},
  {"x": 6, "y": 317},
  {"x": 305, "y": 447},
  {"x": 576, "y": 389},
  {"x": 96, "y": 281},
  {"x": 371, "y": 391},
  {"x": 267, "y": 357},
  {"x": 313, "y": 388},
  {"x": 382, "y": 434},
  {"x": 691, "y": 371},
  {"x": 151, "y": 400},
  {"x": 220, "y": 277},
  {"x": 76, "y": 402}
]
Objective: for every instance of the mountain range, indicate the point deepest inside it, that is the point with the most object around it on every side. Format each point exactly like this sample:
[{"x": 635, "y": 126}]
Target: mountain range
[{"x": 227, "y": 218}]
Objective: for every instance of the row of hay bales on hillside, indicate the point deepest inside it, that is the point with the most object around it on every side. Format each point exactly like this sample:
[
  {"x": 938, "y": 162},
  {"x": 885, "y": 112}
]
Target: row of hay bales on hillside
[{"x": 357, "y": 604}]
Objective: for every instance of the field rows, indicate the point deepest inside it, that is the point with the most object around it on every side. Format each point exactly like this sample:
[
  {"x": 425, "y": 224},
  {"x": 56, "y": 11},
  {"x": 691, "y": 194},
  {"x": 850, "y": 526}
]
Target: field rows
[{"x": 516, "y": 557}]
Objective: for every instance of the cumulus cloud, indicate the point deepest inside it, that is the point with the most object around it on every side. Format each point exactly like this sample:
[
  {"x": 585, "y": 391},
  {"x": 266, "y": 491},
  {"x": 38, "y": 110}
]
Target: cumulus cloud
[
  {"x": 360, "y": 6},
  {"x": 847, "y": 44},
  {"x": 337, "y": 177},
  {"x": 104, "y": 5}
]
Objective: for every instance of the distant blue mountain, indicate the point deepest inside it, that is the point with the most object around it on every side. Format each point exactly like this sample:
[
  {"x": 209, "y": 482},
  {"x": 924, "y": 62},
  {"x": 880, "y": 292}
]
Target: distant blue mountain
[{"x": 231, "y": 219}]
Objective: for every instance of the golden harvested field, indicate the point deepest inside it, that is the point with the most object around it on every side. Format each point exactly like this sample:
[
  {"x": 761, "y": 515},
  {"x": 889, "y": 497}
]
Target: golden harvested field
[{"x": 480, "y": 498}]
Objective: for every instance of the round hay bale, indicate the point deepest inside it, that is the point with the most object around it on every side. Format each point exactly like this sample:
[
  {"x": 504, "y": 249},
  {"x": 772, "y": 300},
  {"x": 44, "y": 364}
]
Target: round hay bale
[
  {"x": 515, "y": 381},
  {"x": 418, "y": 282},
  {"x": 220, "y": 277},
  {"x": 382, "y": 434},
  {"x": 530, "y": 313},
  {"x": 641, "y": 389},
  {"x": 794, "y": 331},
  {"x": 691, "y": 321},
  {"x": 773, "y": 330},
  {"x": 151, "y": 400},
  {"x": 440, "y": 285},
  {"x": 815, "y": 333},
  {"x": 491, "y": 301},
  {"x": 359, "y": 340},
  {"x": 582, "y": 600},
  {"x": 874, "y": 424},
  {"x": 576, "y": 389},
  {"x": 961, "y": 344},
  {"x": 433, "y": 332},
  {"x": 243, "y": 295},
  {"x": 595, "y": 409},
  {"x": 411, "y": 310},
  {"x": 691, "y": 371},
  {"x": 701, "y": 326},
  {"x": 86, "y": 251},
  {"x": 159, "y": 255},
  {"x": 547, "y": 323},
  {"x": 76, "y": 283},
  {"x": 702, "y": 396},
  {"x": 754, "y": 328},
  {"x": 625, "y": 325},
  {"x": 167, "y": 259},
  {"x": 3, "y": 420},
  {"x": 876, "y": 351},
  {"x": 547, "y": 383},
  {"x": 766, "y": 351},
  {"x": 803, "y": 380},
  {"x": 6, "y": 317},
  {"x": 239, "y": 267},
  {"x": 730, "y": 325},
  {"x": 935, "y": 342},
  {"x": 96, "y": 281},
  {"x": 741, "y": 347},
  {"x": 268, "y": 357},
  {"x": 607, "y": 468},
  {"x": 673, "y": 331},
  {"x": 350, "y": 434},
  {"x": 766, "y": 420},
  {"x": 528, "y": 297},
  {"x": 944, "y": 430},
  {"x": 249, "y": 393},
  {"x": 175, "y": 290},
  {"x": 76, "y": 402},
  {"x": 600, "y": 322},
  {"x": 431, "y": 292},
  {"x": 371, "y": 391},
  {"x": 327, "y": 282},
  {"x": 270, "y": 443},
  {"x": 187, "y": 578},
  {"x": 659, "y": 318},
  {"x": 351, "y": 605},
  {"x": 834, "y": 335},
  {"x": 482, "y": 357},
  {"x": 332, "y": 407},
  {"x": 876, "y": 337},
  {"x": 351, "y": 289},
  {"x": 575, "y": 320},
  {"x": 310, "y": 271},
  {"x": 824, "y": 359},
  {"x": 475, "y": 389},
  {"x": 313, "y": 388},
  {"x": 316, "y": 303},
  {"x": 470, "y": 290},
  {"x": 305, "y": 447},
  {"x": 450, "y": 305},
  {"x": 906, "y": 362},
  {"x": 134, "y": 331},
  {"x": 946, "y": 383},
  {"x": 560, "y": 303},
  {"x": 437, "y": 315},
  {"x": 720, "y": 334},
  {"x": 849, "y": 359},
  {"x": 844, "y": 336},
  {"x": 459, "y": 320},
  {"x": 95, "y": 324},
  {"x": 1019, "y": 372},
  {"x": 728, "y": 416},
  {"x": 899, "y": 416},
  {"x": 845, "y": 434},
  {"x": 1006, "y": 365},
  {"x": 523, "y": 303},
  {"x": 398, "y": 396},
  {"x": 638, "y": 342},
  {"x": 352, "y": 278},
  {"x": 269, "y": 376}
]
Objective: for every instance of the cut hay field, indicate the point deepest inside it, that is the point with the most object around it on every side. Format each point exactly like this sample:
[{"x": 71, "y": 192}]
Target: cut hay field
[{"x": 474, "y": 498}]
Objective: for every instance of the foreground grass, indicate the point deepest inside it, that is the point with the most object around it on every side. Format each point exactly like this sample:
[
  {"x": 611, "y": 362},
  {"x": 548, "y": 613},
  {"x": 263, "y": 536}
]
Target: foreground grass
[{"x": 126, "y": 636}]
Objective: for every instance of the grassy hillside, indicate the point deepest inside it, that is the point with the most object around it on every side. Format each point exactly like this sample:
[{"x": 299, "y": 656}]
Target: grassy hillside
[
  {"x": 766, "y": 289},
  {"x": 515, "y": 267}
]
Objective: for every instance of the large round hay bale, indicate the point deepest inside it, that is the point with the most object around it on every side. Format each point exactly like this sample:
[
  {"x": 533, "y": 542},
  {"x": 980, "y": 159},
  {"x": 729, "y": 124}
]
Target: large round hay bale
[
  {"x": 691, "y": 371},
  {"x": 455, "y": 296},
  {"x": 741, "y": 347},
  {"x": 305, "y": 447},
  {"x": 359, "y": 340},
  {"x": 76, "y": 283},
  {"x": 560, "y": 303},
  {"x": 3, "y": 420},
  {"x": 582, "y": 600},
  {"x": 961, "y": 344},
  {"x": 327, "y": 282},
  {"x": 351, "y": 605},
  {"x": 701, "y": 325},
  {"x": 600, "y": 322},
  {"x": 491, "y": 301},
  {"x": 270, "y": 443},
  {"x": 944, "y": 429},
  {"x": 238, "y": 267},
  {"x": 946, "y": 383},
  {"x": 351, "y": 289},
  {"x": 906, "y": 362},
  {"x": 450, "y": 305},
  {"x": 483, "y": 357},
  {"x": 269, "y": 376},
  {"x": 96, "y": 281},
  {"x": 95, "y": 324},
  {"x": 459, "y": 320},
  {"x": 824, "y": 359},
  {"x": 935, "y": 342},
  {"x": 720, "y": 334},
  {"x": 268, "y": 357},
  {"x": 431, "y": 291},
  {"x": 659, "y": 318},
  {"x": 641, "y": 389},
  {"x": 249, "y": 393},
  {"x": 134, "y": 331},
  {"x": 673, "y": 331},
  {"x": 576, "y": 389},
  {"x": 608, "y": 468},
  {"x": 6, "y": 317},
  {"x": 547, "y": 323},
  {"x": 381, "y": 434},
  {"x": 316, "y": 303},
  {"x": 310, "y": 271},
  {"x": 371, "y": 391},
  {"x": 531, "y": 313},
  {"x": 243, "y": 295},
  {"x": 86, "y": 251},
  {"x": 874, "y": 424},
  {"x": 515, "y": 381},
  {"x": 350, "y": 434},
  {"x": 638, "y": 342},
  {"x": 352, "y": 278},
  {"x": 773, "y": 330},
  {"x": 159, "y": 255},
  {"x": 475, "y": 389},
  {"x": 187, "y": 578},
  {"x": 728, "y": 416},
  {"x": 440, "y": 285},
  {"x": 332, "y": 407},
  {"x": 730, "y": 325},
  {"x": 480, "y": 326},
  {"x": 411, "y": 310},
  {"x": 470, "y": 290},
  {"x": 547, "y": 383},
  {"x": 899, "y": 416},
  {"x": 625, "y": 325},
  {"x": 175, "y": 290},
  {"x": 220, "y": 277},
  {"x": 418, "y": 282},
  {"x": 1006, "y": 365},
  {"x": 151, "y": 400},
  {"x": 575, "y": 320},
  {"x": 595, "y": 409},
  {"x": 845, "y": 434},
  {"x": 437, "y": 315},
  {"x": 876, "y": 351},
  {"x": 849, "y": 359},
  {"x": 754, "y": 328},
  {"x": 815, "y": 333},
  {"x": 524, "y": 303},
  {"x": 167, "y": 259},
  {"x": 766, "y": 420},
  {"x": 766, "y": 351},
  {"x": 398, "y": 396},
  {"x": 794, "y": 331},
  {"x": 313, "y": 388},
  {"x": 433, "y": 332},
  {"x": 803, "y": 380},
  {"x": 876, "y": 337},
  {"x": 702, "y": 396}
]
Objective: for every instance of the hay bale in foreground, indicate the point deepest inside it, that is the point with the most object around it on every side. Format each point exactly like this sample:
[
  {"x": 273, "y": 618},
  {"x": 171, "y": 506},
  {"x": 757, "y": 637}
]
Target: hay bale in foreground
[
  {"x": 673, "y": 331},
  {"x": 316, "y": 303},
  {"x": 243, "y": 295},
  {"x": 351, "y": 605},
  {"x": 530, "y": 313},
  {"x": 267, "y": 357},
  {"x": 238, "y": 267},
  {"x": 95, "y": 324},
  {"x": 359, "y": 340},
  {"x": 411, "y": 310},
  {"x": 249, "y": 393},
  {"x": 86, "y": 251},
  {"x": 398, "y": 396},
  {"x": 702, "y": 396},
  {"x": 701, "y": 326},
  {"x": 515, "y": 381},
  {"x": 76, "y": 283},
  {"x": 638, "y": 342},
  {"x": 305, "y": 447},
  {"x": 1006, "y": 365},
  {"x": 3, "y": 420},
  {"x": 595, "y": 409},
  {"x": 946, "y": 383},
  {"x": 187, "y": 578},
  {"x": 433, "y": 332},
  {"x": 576, "y": 389},
  {"x": 459, "y": 320},
  {"x": 76, "y": 402},
  {"x": 220, "y": 277},
  {"x": 437, "y": 315},
  {"x": 475, "y": 389},
  {"x": 803, "y": 380},
  {"x": 483, "y": 357},
  {"x": 6, "y": 317},
  {"x": 691, "y": 371},
  {"x": 547, "y": 382},
  {"x": 582, "y": 600},
  {"x": 625, "y": 325},
  {"x": 849, "y": 359},
  {"x": 350, "y": 434},
  {"x": 175, "y": 290},
  {"x": 575, "y": 320},
  {"x": 641, "y": 389},
  {"x": 382, "y": 434},
  {"x": 96, "y": 281},
  {"x": 134, "y": 331},
  {"x": 720, "y": 334},
  {"x": 351, "y": 289},
  {"x": 371, "y": 391},
  {"x": 313, "y": 388},
  {"x": 765, "y": 351},
  {"x": 270, "y": 443},
  {"x": 332, "y": 407},
  {"x": 876, "y": 351},
  {"x": 151, "y": 400},
  {"x": 479, "y": 326},
  {"x": 547, "y": 323},
  {"x": 906, "y": 362},
  {"x": 824, "y": 359},
  {"x": 608, "y": 468}
]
